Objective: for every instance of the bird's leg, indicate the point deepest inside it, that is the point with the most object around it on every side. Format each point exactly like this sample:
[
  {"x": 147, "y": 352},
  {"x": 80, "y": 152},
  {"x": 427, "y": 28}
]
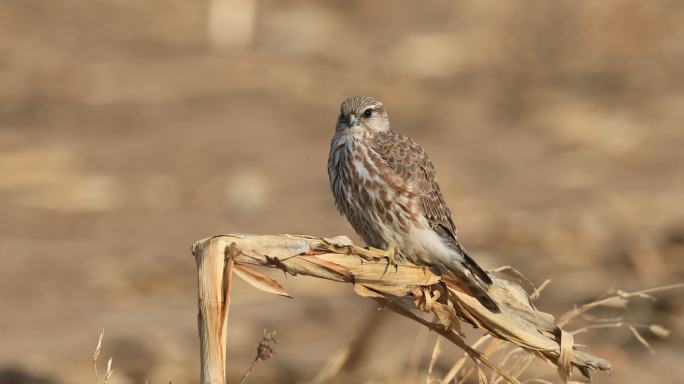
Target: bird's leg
[{"x": 392, "y": 252}]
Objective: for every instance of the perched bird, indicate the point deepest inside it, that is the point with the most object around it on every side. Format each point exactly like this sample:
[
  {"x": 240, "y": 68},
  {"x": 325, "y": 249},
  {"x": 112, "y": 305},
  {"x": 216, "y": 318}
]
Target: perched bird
[{"x": 384, "y": 183}]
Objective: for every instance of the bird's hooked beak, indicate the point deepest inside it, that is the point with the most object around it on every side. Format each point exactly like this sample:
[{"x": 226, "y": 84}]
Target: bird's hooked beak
[{"x": 352, "y": 121}]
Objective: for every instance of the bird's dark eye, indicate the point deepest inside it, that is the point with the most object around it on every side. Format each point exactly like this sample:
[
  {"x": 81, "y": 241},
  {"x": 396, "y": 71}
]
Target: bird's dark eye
[{"x": 368, "y": 112}]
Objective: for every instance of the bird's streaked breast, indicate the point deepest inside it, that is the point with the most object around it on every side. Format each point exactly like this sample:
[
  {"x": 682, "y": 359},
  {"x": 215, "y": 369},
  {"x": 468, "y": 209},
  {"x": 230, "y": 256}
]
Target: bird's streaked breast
[{"x": 366, "y": 191}]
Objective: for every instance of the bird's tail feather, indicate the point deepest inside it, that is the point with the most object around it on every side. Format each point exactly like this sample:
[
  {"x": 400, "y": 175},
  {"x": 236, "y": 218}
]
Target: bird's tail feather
[
  {"x": 471, "y": 280},
  {"x": 481, "y": 295},
  {"x": 469, "y": 263}
]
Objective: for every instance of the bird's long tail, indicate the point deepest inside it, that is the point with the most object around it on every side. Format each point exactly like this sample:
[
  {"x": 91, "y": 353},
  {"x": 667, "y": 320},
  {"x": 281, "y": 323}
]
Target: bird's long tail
[
  {"x": 471, "y": 276},
  {"x": 473, "y": 287},
  {"x": 472, "y": 266},
  {"x": 481, "y": 294}
]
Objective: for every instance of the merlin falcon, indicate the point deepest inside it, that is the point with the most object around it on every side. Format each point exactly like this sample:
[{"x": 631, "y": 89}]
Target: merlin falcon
[{"x": 384, "y": 183}]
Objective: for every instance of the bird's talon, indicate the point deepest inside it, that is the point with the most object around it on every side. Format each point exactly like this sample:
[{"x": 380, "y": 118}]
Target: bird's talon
[{"x": 391, "y": 257}]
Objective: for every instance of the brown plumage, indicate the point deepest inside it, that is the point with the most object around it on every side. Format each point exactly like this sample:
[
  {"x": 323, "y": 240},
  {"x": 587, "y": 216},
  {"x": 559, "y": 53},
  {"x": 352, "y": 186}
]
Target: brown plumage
[{"x": 384, "y": 183}]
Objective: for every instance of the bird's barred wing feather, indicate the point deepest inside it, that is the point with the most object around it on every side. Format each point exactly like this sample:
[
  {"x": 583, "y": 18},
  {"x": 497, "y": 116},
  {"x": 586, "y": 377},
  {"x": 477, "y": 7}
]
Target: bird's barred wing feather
[{"x": 410, "y": 162}]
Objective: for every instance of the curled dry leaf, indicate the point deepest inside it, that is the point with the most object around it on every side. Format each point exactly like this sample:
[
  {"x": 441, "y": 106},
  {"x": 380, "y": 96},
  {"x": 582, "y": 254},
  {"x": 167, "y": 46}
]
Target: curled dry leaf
[{"x": 510, "y": 271}]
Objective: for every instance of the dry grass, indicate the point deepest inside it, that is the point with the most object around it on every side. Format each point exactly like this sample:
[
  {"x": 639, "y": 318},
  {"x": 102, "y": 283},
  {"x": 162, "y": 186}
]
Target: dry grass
[
  {"x": 414, "y": 291},
  {"x": 109, "y": 372}
]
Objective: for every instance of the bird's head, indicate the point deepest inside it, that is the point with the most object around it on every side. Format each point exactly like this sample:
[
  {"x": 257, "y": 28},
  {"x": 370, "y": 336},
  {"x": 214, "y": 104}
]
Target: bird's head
[{"x": 362, "y": 114}]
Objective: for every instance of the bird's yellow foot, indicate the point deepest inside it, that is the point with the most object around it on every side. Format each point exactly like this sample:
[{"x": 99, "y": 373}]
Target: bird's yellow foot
[
  {"x": 391, "y": 255},
  {"x": 392, "y": 252}
]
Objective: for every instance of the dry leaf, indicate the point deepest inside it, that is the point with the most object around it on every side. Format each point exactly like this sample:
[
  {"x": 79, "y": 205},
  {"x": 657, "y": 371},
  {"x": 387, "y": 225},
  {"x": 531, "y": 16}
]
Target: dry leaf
[
  {"x": 344, "y": 272},
  {"x": 615, "y": 302},
  {"x": 564, "y": 362},
  {"x": 659, "y": 330},
  {"x": 512, "y": 272},
  {"x": 339, "y": 241},
  {"x": 259, "y": 280}
]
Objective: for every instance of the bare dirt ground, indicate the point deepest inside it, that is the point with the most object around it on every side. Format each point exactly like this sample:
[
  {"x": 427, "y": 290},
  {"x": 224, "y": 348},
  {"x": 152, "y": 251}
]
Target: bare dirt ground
[{"x": 130, "y": 129}]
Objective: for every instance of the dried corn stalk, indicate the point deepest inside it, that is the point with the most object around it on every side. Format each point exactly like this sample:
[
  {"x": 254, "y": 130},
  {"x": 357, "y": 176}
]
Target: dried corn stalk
[{"x": 409, "y": 290}]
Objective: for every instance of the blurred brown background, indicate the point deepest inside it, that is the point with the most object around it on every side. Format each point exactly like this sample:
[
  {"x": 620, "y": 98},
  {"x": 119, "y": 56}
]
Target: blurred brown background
[{"x": 129, "y": 129}]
